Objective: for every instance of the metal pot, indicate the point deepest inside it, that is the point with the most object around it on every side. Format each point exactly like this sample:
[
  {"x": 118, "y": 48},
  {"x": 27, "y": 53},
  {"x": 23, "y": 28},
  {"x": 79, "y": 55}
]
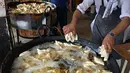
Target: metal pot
[
  {"x": 7, "y": 63},
  {"x": 28, "y": 21}
]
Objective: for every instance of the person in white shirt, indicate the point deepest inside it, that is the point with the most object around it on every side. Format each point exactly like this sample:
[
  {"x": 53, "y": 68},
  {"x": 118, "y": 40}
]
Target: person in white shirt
[{"x": 111, "y": 24}]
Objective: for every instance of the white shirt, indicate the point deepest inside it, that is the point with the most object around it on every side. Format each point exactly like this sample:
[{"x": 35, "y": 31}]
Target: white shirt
[
  {"x": 123, "y": 4},
  {"x": 2, "y": 9}
]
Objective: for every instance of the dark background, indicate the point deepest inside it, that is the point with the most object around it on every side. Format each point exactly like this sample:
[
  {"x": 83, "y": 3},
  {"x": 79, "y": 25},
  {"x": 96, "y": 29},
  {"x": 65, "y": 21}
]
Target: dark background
[{"x": 4, "y": 39}]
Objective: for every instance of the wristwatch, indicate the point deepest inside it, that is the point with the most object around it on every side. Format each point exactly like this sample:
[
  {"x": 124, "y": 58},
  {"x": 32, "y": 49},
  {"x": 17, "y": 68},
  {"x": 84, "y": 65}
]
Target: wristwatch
[{"x": 112, "y": 34}]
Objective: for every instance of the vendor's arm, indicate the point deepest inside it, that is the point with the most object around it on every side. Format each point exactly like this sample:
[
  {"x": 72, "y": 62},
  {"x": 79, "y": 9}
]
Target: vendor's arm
[
  {"x": 109, "y": 41},
  {"x": 125, "y": 16},
  {"x": 121, "y": 26},
  {"x": 81, "y": 8}
]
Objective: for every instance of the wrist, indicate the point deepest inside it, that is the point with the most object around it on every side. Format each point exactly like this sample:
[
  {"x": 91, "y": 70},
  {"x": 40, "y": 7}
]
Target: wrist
[
  {"x": 111, "y": 34},
  {"x": 73, "y": 24}
]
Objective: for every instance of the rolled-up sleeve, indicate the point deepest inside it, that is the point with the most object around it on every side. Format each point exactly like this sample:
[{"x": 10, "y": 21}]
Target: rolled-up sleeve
[
  {"x": 82, "y": 7},
  {"x": 125, "y": 8}
]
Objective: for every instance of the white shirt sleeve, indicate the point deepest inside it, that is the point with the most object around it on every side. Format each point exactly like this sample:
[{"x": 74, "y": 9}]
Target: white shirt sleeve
[
  {"x": 82, "y": 7},
  {"x": 125, "y": 8}
]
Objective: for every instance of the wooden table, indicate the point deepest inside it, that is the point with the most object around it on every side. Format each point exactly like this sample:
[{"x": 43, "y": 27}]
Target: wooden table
[{"x": 122, "y": 49}]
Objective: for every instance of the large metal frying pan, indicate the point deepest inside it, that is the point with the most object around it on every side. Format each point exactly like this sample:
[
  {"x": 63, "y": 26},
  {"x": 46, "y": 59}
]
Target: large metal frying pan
[{"x": 7, "y": 63}]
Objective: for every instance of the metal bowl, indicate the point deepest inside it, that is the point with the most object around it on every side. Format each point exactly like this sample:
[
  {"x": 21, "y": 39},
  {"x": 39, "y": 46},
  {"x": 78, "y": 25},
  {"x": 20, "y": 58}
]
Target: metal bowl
[{"x": 28, "y": 21}]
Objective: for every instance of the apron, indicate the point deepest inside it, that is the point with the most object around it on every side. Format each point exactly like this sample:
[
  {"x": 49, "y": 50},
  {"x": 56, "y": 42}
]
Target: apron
[{"x": 102, "y": 26}]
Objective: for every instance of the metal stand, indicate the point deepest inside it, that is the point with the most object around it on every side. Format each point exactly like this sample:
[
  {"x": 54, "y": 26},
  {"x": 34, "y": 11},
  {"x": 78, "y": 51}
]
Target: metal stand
[
  {"x": 18, "y": 35},
  {"x": 10, "y": 33}
]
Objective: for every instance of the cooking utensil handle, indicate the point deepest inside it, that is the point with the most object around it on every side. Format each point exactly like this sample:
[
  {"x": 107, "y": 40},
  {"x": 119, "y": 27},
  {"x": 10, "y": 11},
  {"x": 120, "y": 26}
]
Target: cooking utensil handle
[
  {"x": 48, "y": 7},
  {"x": 45, "y": 28}
]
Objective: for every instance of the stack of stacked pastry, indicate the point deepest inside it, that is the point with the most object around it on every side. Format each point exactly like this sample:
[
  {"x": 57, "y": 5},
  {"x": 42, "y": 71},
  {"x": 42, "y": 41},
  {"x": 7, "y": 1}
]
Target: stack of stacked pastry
[
  {"x": 30, "y": 8},
  {"x": 71, "y": 37}
]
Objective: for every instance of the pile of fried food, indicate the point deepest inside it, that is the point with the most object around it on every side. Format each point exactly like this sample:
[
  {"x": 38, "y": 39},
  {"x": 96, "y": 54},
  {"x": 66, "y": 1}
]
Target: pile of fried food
[
  {"x": 32, "y": 8},
  {"x": 58, "y": 57},
  {"x": 30, "y": 0}
]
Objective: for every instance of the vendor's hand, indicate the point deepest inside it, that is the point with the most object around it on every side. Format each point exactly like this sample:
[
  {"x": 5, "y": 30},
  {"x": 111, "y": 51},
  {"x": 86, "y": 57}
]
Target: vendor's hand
[
  {"x": 108, "y": 43},
  {"x": 69, "y": 28}
]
